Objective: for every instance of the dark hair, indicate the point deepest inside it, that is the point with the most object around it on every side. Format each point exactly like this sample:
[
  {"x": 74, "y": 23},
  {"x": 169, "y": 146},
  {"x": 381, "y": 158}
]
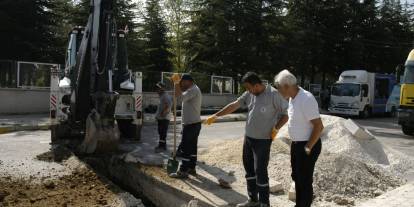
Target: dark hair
[{"x": 251, "y": 78}]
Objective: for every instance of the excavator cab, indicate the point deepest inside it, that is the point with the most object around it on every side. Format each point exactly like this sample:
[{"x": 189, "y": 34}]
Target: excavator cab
[{"x": 96, "y": 98}]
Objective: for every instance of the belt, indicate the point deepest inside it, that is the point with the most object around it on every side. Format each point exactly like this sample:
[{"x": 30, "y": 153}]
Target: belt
[
  {"x": 299, "y": 142},
  {"x": 192, "y": 124}
]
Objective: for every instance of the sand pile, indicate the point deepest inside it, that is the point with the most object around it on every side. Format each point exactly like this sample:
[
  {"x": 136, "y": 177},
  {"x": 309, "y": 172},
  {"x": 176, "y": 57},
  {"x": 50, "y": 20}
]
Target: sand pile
[{"x": 347, "y": 169}]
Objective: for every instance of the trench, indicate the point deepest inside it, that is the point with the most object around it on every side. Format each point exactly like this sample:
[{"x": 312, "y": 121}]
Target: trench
[{"x": 101, "y": 165}]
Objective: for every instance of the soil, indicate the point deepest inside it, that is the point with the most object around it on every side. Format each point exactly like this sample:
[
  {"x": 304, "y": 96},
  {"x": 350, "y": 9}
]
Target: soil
[
  {"x": 58, "y": 154},
  {"x": 83, "y": 187}
]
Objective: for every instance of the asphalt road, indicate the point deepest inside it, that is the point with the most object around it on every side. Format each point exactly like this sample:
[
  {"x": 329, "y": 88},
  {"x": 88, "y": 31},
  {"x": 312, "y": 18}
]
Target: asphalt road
[{"x": 389, "y": 133}]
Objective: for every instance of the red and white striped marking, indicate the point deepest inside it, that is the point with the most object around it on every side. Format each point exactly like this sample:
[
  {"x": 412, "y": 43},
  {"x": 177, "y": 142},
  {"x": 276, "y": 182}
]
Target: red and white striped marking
[
  {"x": 138, "y": 103},
  {"x": 53, "y": 101}
]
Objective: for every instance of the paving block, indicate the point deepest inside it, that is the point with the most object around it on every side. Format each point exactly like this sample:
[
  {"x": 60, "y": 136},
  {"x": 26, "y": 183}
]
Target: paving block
[
  {"x": 357, "y": 131},
  {"x": 292, "y": 192},
  {"x": 275, "y": 186}
]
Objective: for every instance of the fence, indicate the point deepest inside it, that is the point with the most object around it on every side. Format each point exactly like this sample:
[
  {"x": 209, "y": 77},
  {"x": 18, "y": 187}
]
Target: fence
[
  {"x": 219, "y": 85},
  {"x": 21, "y": 74},
  {"x": 35, "y": 75}
]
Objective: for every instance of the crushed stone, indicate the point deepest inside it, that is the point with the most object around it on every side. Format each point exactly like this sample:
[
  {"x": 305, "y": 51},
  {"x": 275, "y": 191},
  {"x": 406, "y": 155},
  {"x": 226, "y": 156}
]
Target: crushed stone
[{"x": 348, "y": 169}]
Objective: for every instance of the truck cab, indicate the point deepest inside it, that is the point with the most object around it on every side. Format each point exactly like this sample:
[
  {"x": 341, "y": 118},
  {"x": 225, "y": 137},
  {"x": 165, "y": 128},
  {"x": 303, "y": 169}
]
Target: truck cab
[
  {"x": 350, "y": 95},
  {"x": 406, "y": 109},
  {"x": 361, "y": 93}
]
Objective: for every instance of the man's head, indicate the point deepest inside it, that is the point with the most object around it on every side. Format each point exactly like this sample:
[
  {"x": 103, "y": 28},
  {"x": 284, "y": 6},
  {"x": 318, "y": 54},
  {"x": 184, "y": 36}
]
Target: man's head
[
  {"x": 186, "y": 82},
  {"x": 286, "y": 84},
  {"x": 160, "y": 87},
  {"x": 252, "y": 82}
]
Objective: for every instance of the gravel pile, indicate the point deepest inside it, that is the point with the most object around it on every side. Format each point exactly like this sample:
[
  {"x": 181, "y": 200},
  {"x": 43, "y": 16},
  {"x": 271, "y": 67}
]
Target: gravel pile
[{"x": 348, "y": 169}]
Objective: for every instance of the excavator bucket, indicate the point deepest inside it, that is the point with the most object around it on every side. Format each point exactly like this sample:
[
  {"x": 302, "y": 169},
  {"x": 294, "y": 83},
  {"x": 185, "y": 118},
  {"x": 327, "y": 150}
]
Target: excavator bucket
[{"x": 100, "y": 136}]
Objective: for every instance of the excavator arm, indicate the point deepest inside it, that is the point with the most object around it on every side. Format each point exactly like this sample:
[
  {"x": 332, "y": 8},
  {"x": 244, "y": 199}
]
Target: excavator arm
[{"x": 93, "y": 100}]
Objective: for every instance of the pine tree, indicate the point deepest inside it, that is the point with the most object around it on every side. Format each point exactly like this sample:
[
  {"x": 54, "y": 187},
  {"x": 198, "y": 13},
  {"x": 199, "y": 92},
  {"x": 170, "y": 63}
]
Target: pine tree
[
  {"x": 26, "y": 30},
  {"x": 156, "y": 46}
]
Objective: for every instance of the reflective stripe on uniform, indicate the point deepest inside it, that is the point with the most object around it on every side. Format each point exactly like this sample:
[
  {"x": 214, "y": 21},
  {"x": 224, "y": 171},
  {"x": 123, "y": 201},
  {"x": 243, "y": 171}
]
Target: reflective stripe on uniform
[
  {"x": 251, "y": 178},
  {"x": 262, "y": 185}
]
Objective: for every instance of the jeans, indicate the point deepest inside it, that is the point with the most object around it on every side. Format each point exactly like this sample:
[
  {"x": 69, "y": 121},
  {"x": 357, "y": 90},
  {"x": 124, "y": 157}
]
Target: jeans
[
  {"x": 303, "y": 166},
  {"x": 162, "y": 131},
  {"x": 188, "y": 145},
  {"x": 255, "y": 161}
]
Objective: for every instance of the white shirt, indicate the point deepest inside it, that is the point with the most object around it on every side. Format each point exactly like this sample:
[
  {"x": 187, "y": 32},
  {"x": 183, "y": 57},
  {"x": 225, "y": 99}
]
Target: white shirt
[{"x": 302, "y": 109}]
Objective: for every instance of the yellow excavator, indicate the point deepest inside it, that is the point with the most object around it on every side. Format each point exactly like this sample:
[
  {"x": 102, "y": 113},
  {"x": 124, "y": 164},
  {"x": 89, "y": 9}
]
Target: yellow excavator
[{"x": 406, "y": 109}]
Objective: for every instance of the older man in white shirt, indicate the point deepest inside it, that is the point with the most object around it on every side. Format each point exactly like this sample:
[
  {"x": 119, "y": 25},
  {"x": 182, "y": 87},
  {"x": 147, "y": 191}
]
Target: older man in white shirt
[{"x": 304, "y": 127}]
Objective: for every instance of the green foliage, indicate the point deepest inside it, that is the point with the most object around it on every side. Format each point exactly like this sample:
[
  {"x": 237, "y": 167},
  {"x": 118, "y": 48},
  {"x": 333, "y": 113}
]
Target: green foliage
[
  {"x": 155, "y": 33},
  {"x": 316, "y": 39},
  {"x": 26, "y": 31}
]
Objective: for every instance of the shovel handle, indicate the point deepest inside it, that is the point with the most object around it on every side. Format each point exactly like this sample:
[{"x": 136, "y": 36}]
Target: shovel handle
[{"x": 175, "y": 122}]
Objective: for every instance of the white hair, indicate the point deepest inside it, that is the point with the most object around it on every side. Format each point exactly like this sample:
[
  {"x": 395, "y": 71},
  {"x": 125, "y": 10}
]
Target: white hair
[{"x": 285, "y": 78}]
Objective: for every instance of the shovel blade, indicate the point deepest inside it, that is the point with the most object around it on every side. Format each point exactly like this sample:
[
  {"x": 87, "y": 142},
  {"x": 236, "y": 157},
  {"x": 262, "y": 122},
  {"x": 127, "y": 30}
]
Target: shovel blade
[{"x": 172, "y": 165}]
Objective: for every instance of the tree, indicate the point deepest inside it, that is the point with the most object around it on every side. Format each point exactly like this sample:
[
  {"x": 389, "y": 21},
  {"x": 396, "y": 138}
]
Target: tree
[
  {"x": 232, "y": 37},
  {"x": 156, "y": 45},
  {"x": 178, "y": 19},
  {"x": 26, "y": 31}
]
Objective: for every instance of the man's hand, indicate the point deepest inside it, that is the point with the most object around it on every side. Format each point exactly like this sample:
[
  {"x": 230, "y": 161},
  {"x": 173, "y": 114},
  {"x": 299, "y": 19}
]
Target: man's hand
[
  {"x": 175, "y": 78},
  {"x": 211, "y": 119},
  {"x": 273, "y": 133}
]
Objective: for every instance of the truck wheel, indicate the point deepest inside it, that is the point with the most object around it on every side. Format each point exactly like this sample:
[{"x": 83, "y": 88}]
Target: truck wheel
[
  {"x": 365, "y": 113},
  {"x": 407, "y": 130}
]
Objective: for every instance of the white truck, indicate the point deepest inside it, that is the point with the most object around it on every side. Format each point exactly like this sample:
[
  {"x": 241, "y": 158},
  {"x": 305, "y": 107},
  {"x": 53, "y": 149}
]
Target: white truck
[{"x": 360, "y": 93}]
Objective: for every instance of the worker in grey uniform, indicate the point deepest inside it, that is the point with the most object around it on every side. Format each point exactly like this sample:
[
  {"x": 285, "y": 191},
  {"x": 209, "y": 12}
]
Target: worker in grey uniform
[
  {"x": 267, "y": 113},
  {"x": 163, "y": 116},
  {"x": 190, "y": 94}
]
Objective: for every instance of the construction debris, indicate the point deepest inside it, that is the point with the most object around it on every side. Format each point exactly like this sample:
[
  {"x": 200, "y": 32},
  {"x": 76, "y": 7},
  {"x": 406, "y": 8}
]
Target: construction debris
[
  {"x": 292, "y": 192},
  {"x": 357, "y": 131},
  {"x": 275, "y": 186}
]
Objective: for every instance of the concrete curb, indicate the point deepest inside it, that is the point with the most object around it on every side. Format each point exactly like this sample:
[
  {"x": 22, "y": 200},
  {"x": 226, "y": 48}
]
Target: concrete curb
[{"x": 15, "y": 128}]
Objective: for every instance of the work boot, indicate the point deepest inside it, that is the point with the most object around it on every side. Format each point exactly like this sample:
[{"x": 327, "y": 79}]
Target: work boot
[
  {"x": 179, "y": 154},
  {"x": 249, "y": 203},
  {"x": 179, "y": 175},
  {"x": 192, "y": 172},
  {"x": 160, "y": 148}
]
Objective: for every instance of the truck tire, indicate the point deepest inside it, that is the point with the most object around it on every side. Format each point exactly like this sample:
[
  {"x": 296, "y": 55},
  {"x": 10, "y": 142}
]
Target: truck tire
[
  {"x": 407, "y": 130},
  {"x": 365, "y": 113}
]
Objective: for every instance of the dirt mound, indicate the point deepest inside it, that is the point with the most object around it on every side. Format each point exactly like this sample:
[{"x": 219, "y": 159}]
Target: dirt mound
[
  {"x": 81, "y": 188},
  {"x": 56, "y": 154}
]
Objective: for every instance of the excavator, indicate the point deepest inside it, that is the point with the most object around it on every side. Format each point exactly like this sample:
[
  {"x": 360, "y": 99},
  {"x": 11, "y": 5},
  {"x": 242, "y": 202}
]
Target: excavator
[{"x": 96, "y": 99}]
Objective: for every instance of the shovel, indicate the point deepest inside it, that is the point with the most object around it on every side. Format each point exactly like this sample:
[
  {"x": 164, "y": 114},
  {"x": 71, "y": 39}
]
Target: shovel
[{"x": 172, "y": 165}]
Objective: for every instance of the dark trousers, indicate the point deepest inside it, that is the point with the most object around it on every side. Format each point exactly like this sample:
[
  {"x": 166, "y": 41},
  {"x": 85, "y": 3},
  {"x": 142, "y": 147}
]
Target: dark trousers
[
  {"x": 162, "y": 131},
  {"x": 303, "y": 166},
  {"x": 255, "y": 161},
  {"x": 188, "y": 145}
]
